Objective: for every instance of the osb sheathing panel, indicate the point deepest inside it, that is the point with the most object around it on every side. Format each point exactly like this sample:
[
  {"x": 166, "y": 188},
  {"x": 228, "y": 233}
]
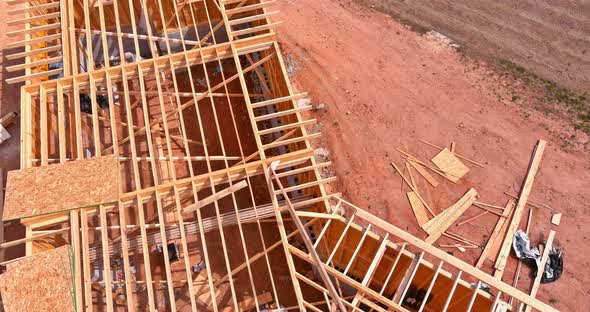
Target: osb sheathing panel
[
  {"x": 48, "y": 189},
  {"x": 42, "y": 282}
]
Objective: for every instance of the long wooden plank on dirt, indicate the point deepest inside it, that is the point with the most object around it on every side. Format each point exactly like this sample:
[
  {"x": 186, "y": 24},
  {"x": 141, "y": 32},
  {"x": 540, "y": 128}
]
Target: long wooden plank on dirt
[
  {"x": 439, "y": 224},
  {"x": 524, "y": 195},
  {"x": 420, "y": 211},
  {"x": 453, "y": 168},
  {"x": 493, "y": 245},
  {"x": 541, "y": 271},
  {"x": 424, "y": 173}
]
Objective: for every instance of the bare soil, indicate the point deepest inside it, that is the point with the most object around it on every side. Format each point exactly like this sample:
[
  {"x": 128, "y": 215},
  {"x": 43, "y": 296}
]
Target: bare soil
[
  {"x": 548, "y": 37},
  {"x": 384, "y": 87}
]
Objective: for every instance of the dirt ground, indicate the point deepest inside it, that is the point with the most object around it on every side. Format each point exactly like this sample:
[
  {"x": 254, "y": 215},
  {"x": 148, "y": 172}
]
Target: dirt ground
[
  {"x": 385, "y": 87},
  {"x": 548, "y": 37}
]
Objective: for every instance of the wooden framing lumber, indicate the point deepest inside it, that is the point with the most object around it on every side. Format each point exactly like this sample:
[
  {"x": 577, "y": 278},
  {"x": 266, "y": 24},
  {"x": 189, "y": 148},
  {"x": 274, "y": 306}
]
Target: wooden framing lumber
[
  {"x": 498, "y": 233},
  {"x": 308, "y": 243},
  {"x": 412, "y": 188},
  {"x": 462, "y": 157},
  {"x": 450, "y": 165},
  {"x": 455, "y": 262},
  {"x": 424, "y": 173},
  {"x": 524, "y": 195},
  {"x": 437, "y": 225},
  {"x": 418, "y": 208},
  {"x": 541, "y": 271},
  {"x": 217, "y": 196}
]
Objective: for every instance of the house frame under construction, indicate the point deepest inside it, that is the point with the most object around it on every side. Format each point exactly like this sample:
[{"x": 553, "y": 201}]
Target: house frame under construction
[{"x": 217, "y": 192}]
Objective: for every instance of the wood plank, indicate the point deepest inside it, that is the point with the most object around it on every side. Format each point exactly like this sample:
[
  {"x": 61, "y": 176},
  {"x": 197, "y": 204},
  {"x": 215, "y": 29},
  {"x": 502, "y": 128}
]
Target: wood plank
[
  {"x": 555, "y": 219},
  {"x": 402, "y": 289},
  {"x": 55, "y": 188},
  {"x": 418, "y": 208},
  {"x": 462, "y": 157},
  {"x": 424, "y": 173},
  {"x": 453, "y": 168},
  {"x": 411, "y": 175},
  {"x": 492, "y": 246},
  {"x": 437, "y": 225},
  {"x": 412, "y": 188},
  {"x": 541, "y": 271},
  {"x": 217, "y": 196},
  {"x": 307, "y": 240},
  {"x": 524, "y": 195}
]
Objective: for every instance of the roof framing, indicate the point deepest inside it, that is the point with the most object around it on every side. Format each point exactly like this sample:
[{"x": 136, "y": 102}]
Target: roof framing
[{"x": 196, "y": 103}]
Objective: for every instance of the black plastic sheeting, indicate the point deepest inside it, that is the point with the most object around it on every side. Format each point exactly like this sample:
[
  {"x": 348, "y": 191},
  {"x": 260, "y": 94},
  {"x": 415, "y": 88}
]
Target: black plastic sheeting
[{"x": 532, "y": 257}]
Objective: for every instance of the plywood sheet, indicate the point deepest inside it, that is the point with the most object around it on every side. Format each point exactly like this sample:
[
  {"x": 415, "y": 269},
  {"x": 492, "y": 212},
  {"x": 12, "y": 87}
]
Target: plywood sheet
[
  {"x": 453, "y": 168},
  {"x": 42, "y": 282},
  {"x": 48, "y": 189},
  {"x": 418, "y": 207}
]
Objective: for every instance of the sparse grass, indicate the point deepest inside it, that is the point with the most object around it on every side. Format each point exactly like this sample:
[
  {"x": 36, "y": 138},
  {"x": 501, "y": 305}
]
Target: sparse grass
[
  {"x": 553, "y": 300},
  {"x": 577, "y": 106}
]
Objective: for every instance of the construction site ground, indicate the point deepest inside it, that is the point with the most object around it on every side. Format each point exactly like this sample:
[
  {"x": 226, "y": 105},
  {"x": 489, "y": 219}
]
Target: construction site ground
[
  {"x": 384, "y": 86},
  {"x": 379, "y": 85}
]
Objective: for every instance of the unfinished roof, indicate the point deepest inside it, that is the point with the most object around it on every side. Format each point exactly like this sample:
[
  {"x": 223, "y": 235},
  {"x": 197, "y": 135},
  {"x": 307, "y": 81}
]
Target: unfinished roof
[{"x": 193, "y": 101}]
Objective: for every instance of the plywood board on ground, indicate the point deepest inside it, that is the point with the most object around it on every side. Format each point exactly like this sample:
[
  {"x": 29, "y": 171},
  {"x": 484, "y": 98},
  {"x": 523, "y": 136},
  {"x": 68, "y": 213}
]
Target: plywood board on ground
[
  {"x": 439, "y": 224},
  {"x": 49, "y": 189},
  {"x": 453, "y": 168},
  {"x": 42, "y": 282},
  {"x": 419, "y": 210}
]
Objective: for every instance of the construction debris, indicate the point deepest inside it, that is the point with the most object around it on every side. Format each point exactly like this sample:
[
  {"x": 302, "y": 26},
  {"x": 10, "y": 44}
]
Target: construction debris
[
  {"x": 439, "y": 224},
  {"x": 418, "y": 208},
  {"x": 450, "y": 165},
  {"x": 556, "y": 219},
  {"x": 519, "y": 209}
]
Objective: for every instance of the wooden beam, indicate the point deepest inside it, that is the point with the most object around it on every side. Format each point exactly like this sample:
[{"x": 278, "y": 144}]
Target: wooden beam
[
  {"x": 498, "y": 232},
  {"x": 403, "y": 287},
  {"x": 524, "y": 195},
  {"x": 455, "y": 262},
  {"x": 439, "y": 224},
  {"x": 217, "y": 196},
  {"x": 541, "y": 269},
  {"x": 412, "y": 188},
  {"x": 308, "y": 243}
]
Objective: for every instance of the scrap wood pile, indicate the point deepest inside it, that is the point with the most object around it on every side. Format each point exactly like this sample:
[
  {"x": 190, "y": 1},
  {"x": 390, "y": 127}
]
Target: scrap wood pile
[{"x": 449, "y": 165}]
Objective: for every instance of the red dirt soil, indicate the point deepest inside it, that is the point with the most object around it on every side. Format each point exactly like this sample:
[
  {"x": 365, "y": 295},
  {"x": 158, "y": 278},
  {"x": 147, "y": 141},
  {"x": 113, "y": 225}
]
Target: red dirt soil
[{"x": 385, "y": 87}]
